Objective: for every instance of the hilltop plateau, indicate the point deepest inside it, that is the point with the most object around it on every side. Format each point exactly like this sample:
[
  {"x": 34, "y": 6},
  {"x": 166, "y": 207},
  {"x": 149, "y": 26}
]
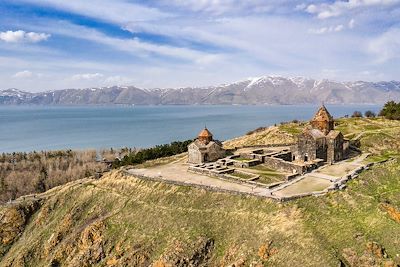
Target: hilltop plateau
[{"x": 120, "y": 220}]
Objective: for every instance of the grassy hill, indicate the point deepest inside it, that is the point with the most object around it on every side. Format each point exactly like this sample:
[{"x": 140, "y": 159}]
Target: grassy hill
[{"x": 123, "y": 221}]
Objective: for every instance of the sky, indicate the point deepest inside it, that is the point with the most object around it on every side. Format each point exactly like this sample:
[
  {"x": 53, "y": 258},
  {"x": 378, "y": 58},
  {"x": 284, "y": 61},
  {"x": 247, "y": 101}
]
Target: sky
[{"x": 58, "y": 44}]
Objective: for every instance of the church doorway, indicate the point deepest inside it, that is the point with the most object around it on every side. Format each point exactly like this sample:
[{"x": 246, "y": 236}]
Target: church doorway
[
  {"x": 206, "y": 157},
  {"x": 306, "y": 157}
]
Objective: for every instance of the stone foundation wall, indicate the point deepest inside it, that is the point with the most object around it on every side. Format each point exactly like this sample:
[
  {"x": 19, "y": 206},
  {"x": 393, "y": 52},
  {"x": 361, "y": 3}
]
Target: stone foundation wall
[
  {"x": 286, "y": 155},
  {"x": 282, "y": 165},
  {"x": 246, "y": 164}
]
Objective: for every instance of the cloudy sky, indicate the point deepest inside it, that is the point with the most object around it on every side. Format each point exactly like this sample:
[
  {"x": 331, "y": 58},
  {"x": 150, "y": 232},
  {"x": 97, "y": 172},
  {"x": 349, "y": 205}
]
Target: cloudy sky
[{"x": 56, "y": 44}]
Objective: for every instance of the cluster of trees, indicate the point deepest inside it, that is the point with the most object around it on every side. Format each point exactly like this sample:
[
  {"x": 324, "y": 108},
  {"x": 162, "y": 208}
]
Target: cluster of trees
[
  {"x": 35, "y": 172},
  {"x": 391, "y": 111},
  {"x": 367, "y": 114},
  {"x": 160, "y": 151}
]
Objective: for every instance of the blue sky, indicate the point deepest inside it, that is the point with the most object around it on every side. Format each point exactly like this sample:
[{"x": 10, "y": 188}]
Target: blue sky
[{"x": 57, "y": 44}]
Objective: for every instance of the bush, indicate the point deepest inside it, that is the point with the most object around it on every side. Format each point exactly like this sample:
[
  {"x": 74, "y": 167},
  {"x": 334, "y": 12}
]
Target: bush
[
  {"x": 357, "y": 114},
  {"x": 156, "y": 152},
  {"x": 259, "y": 129},
  {"x": 391, "y": 111},
  {"x": 370, "y": 114}
]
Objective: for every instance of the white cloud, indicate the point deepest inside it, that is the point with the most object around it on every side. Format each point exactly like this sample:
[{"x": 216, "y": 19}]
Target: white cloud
[
  {"x": 22, "y": 36},
  {"x": 87, "y": 76},
  {"x": 322, "y": 30},
  {"x": 134, "y": 46},
  {"x": 23, "y": 74},
  {"x": 386, "y": 46},
  {"x": 351, "y": 24},
  {"x": 218, "y": 7},
  {"x": 337, "y": 8}
]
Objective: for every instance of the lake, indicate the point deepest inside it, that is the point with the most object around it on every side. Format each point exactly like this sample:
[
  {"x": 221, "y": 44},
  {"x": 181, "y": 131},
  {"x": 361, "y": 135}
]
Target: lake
[{"x": 28, "y": 128}]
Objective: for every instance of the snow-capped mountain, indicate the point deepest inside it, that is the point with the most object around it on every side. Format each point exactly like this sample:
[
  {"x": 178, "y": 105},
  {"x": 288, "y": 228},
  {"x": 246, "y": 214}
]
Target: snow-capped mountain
[{"x": 258, "y": 90}]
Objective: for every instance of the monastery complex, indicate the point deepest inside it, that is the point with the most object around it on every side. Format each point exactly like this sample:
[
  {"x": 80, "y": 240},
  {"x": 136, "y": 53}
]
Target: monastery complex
[{"x": 317, "y": 145}]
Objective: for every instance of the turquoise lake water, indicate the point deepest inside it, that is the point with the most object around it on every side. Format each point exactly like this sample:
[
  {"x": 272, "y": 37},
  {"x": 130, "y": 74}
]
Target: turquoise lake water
[{"x": 28, "y": 128}]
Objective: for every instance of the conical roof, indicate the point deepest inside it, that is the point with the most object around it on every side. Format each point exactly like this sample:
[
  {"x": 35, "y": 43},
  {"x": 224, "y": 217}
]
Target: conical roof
[
  {"x": 322, "y": 115},
  {"x": 205, "y": 133}
]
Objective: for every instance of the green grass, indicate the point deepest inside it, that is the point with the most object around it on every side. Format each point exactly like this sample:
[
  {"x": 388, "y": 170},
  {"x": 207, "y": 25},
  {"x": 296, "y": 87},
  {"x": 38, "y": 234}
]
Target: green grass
[
  {"x": 337, "y": 218},
  {"x": 241, "y": 175},
  {"x": 267, "y": 175},
  {"x": 292, "y": 128},
  {"x": 160, "y": 161}
]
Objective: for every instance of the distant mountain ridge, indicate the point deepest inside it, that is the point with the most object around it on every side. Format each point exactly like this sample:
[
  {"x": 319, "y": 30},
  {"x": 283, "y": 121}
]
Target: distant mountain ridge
[{"x": 260, "y": 90}]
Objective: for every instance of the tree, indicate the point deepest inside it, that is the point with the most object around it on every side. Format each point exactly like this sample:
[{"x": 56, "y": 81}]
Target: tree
[
  {"x": 369, "y": 114},
  {"x": 3, "y": 185},
  {"x": 357, "y": 114},
  {"x": 391, "y": 111},
  {"x": 41, "y": 181}
]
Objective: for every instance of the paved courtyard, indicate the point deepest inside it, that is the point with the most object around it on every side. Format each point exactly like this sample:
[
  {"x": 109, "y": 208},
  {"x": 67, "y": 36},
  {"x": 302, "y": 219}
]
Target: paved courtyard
[
  {"x": 316, "y": 181},
  {"x": 177, "y": 171}
]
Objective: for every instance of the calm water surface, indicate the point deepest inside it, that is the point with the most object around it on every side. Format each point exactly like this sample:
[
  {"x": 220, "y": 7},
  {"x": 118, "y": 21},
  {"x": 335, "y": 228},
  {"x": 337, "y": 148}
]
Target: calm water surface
[{"x": 29, "y": 128}]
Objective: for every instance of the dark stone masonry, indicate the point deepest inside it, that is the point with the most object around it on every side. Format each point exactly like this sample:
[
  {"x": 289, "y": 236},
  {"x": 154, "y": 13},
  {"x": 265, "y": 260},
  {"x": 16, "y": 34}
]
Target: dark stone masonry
[{"x": 317, "y": 145}]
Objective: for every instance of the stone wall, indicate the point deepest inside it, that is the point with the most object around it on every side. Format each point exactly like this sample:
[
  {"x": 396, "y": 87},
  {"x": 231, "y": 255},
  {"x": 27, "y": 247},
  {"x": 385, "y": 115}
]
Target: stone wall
[
  {"x": 282, "y": 165},
  {"x": 195, "y": 156},
  {"x": 246, "y": 164},
  {"x": 305, "y": 148},
  {"x": 285, "y": 155}
]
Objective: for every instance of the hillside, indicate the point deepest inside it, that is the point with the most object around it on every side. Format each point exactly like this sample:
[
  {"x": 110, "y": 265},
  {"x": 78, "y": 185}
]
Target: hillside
[
  {"x": 260, "y": 90},
  {"x": 376, "y": 135},
  {"x": 123, "y": 221}
]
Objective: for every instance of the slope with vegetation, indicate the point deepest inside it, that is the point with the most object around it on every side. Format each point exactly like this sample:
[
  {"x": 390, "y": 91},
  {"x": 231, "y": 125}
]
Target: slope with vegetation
[
  {"x": 35, "y": 172},
  {"x": 123, "y": 221}
]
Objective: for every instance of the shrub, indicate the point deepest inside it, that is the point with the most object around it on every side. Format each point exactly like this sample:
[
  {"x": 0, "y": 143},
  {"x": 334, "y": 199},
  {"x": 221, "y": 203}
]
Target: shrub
[
  {"x": 357, "y": 114},
  {"x": 369, "y": 114},
  {"x": 156, "y": 152},
  {"x": 259, "y": 129}
]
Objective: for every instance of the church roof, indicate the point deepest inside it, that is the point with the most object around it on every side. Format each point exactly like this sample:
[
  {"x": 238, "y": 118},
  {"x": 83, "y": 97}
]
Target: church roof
[
  {"x": 205, "y": 133},
  {"x": 200, "y": 144},
  {"x": 322, "y": 115},
  {"x": 315, "y": 133},
  {"x": 333, "y": 134}
]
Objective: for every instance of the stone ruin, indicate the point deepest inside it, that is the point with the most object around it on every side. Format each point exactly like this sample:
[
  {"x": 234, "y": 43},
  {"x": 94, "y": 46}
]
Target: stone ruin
[{"x": 317, "y": 145}]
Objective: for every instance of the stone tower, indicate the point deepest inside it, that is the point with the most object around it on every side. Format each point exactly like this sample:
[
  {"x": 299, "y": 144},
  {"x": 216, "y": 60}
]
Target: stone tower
[
  {"x": 205, "y": 136},
  {"x": 323, "y": 121}
]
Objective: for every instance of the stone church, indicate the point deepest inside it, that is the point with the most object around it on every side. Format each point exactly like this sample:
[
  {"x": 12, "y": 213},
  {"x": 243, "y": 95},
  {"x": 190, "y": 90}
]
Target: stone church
[
  {"x": 205, "y": 149},
  {"x": 320, "y": 140}
]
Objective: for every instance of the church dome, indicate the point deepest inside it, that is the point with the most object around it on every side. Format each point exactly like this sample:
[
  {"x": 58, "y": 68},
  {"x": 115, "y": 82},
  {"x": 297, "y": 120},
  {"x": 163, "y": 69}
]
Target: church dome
[
  {"x": 205, "y": 136},
  {"x": 322, "y": 115},
  {"x": 205, "y": 133},
  {"x": 323, "y": 120}
]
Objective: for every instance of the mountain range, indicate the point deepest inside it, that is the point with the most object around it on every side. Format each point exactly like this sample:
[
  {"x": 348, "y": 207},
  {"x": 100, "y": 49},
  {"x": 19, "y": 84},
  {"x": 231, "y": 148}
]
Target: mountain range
[{"x": 260, "y": 90}]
